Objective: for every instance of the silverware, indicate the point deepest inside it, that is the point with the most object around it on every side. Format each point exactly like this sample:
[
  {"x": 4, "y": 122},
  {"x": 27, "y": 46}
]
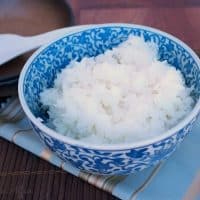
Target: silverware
[{"x": 12, "y": 45}]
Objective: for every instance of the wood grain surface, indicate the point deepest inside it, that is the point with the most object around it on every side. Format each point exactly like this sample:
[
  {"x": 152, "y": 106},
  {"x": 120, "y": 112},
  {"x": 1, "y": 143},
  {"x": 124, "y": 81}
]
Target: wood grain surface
[
  {"x": 24, "y": 176},
  {"x": 178, "y": 17}
]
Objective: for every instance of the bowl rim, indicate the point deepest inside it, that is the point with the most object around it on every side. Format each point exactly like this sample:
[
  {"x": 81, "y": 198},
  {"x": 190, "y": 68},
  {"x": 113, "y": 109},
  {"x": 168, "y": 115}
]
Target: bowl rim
[{"x": 119, "y": 146}]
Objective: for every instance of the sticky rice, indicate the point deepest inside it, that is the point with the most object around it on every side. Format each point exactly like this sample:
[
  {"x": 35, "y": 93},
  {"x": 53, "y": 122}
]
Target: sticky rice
[{"x": 123, "y": 95}]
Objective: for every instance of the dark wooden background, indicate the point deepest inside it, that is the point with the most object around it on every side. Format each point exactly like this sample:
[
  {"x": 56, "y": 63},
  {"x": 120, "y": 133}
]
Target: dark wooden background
[{"x": 23, "y": 175}]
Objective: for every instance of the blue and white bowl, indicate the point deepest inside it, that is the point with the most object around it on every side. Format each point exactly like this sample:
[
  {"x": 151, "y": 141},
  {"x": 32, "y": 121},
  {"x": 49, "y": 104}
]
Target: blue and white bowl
[{"x": 41, "y": 69}]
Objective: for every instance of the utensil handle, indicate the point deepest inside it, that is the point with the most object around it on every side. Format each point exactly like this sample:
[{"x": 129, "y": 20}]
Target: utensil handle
[
  {"x": 12, "y": 45},
  {"x": 47, "y": 37}
]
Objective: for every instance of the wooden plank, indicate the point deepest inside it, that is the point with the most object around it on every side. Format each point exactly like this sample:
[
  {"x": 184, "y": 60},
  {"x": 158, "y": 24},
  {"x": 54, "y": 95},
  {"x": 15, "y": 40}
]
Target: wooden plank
[
  {"x": 132, "y": 4},
  {"x": 183, "y": 23},
  {"x": 24, "y": 176}
]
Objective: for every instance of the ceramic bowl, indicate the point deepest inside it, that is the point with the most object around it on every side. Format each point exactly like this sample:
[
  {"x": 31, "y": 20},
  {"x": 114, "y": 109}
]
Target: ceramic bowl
[{"x": 41, "y": 69}]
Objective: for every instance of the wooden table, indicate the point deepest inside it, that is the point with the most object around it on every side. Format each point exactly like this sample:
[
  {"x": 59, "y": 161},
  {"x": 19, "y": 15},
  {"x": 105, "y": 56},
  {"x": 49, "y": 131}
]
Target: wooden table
[
  {"x": 24, "y": 176},
  {"x": 178, "y": 17}
]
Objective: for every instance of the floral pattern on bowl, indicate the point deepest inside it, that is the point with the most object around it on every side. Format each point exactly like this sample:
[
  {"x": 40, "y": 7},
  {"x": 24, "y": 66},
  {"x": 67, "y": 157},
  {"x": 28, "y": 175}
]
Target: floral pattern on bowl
[{"x": 40, "y": 72}]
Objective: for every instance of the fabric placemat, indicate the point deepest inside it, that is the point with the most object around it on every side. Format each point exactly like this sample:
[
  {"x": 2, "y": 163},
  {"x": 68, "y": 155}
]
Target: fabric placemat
[{"x": 177, "y": 178}]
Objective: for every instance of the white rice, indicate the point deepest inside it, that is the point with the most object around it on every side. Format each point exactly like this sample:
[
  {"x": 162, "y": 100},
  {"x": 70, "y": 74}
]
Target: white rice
[{"x": 123, "y": 95}]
